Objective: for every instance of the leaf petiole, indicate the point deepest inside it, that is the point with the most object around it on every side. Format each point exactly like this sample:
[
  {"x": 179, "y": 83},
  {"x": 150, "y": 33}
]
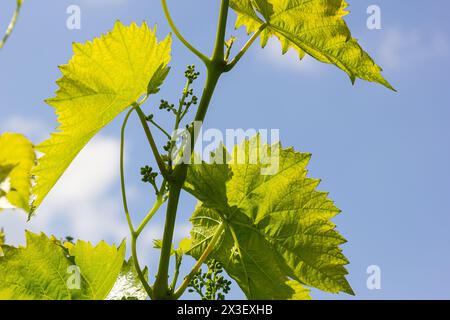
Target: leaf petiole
[
  {"x": 122, "y": 171},
  {"x": 209, "y": 249},
  {"x": 151, "y": 141},
  {"x": 202, "y": 57},
  {"x": 247, "y": 46},
  {"x": 153, "y": 122},
  {"x": 180, "y": 113},
  {"x": 134, "y": 234},
  {"x": 12, "y": 23},
  {"x": 159, "y": 202},
  {"x": 141, "y": 275}
]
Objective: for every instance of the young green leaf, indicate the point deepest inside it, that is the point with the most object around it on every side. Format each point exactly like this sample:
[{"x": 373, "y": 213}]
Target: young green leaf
[
  {"x": 45, "y": 270},
  {"x": 128, "y": 286},
  {"x": 185, "y": 245},
  {"x": 314, "y": 27},
  {"x": 274, "y": 228},
  {"x": 100, "y": 266},
  {"x": 103, "y": 79},
  {"x": 38, "y": 271},
  {"x": 17, "y": 157},
  {"x": 301, "y": 293}
]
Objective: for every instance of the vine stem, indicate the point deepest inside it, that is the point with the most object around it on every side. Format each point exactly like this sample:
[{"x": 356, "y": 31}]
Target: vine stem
[
  {"x": 159, "y": 202},
  {"x": 174, "y": 28},
  {"x": 179, "y": 292},
  {"x": 122, "y": 171},
  {"x": 151, "y": 141},
  {"x": 12, "y": 23},
  {"x": 137, "y": 267},
  {"x": 215, "y": 68},
  {"x": 219, "y": 50},
  {"x": 247, "y": 46},
  {"x": 180, "y": 107},
  {"x": 134, "y": 235},
  {"x": 175, "y": 276},
  {"x": 161, "y": 129}
]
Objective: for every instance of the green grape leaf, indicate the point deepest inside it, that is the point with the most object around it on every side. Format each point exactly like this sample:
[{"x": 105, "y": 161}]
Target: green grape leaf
[
  {"x": 313, "y": 27},
  {"x": 128, "y": 286},
  {"x": 274, "y": 228},
  {"x": 157, "y": 80},
  {"x": 300, "y": 292},
  {"x": 100, "y": 266},
  {"x": 45, "y": 270},
  {"x": 104, "y": 78},
  {"x": 36, "y": 272},
  {"x": 185, "y": 245},
  {"x": 17, "y": 157}
]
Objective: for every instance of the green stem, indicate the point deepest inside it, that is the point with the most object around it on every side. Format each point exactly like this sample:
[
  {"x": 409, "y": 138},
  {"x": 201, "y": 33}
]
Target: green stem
[
  {"x": 161, "y": 287},
  {"x": 219, "y": 48},
  {"x": 159, "y": 202},
  {"x": 179, "y": 292},
  {"x": 151, "y": 141},
  {"x": 180, "y": 115},
  {"x": 215, "y": 67},
  {"x": 160, "y": 129},
  {"x": 249, "y": 43},
  {"x": 180, "y": 36},
  {"x": 176, "y": 275},
  {"x": 122, "y": 171},
  {"x": 12, "y": 23},
  {"x": 134, "y": 234},
  {"x": 141, "y": 275}
]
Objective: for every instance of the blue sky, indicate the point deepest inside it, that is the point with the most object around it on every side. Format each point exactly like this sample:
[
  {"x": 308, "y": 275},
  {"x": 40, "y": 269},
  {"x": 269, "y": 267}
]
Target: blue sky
[{"x": 383, "y": 156}]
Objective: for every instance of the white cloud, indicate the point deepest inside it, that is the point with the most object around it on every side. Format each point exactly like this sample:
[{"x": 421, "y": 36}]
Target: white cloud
[
  {"x": 34, "y": 130},
  {"x": 272, "y": 54},
  {"x": 407, "y": 48}
]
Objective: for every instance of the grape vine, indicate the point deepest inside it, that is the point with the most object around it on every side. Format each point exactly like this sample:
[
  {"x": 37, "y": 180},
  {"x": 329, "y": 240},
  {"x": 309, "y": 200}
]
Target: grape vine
[{"x": 271, "y": 234}]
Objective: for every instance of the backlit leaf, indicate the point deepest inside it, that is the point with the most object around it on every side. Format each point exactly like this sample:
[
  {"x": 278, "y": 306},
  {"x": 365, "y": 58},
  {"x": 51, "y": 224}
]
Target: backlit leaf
[
  {"x": 100, "y": 266},
  {"x": 36, "y": 272},
  {"x": 314, "y": 27},
  {"x": 104, "y": 78},
  {"x": 17, "y": 157},
  {"x": 45, "y": 270},
  {"x": 275, "y": 228}
]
